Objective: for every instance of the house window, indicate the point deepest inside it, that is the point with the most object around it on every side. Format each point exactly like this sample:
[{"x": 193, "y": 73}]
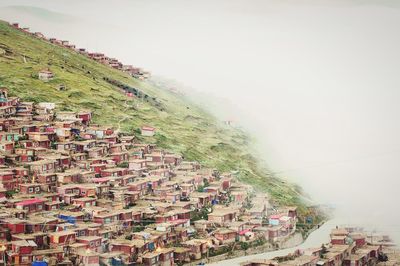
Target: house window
[
  {"x": 40, "y": 206},
  {"x": 37, "y": 189},
  {"x": 91, "y": 244},
  {"x": 53, "y": 178},
  {"x": 98, "y": 243}
]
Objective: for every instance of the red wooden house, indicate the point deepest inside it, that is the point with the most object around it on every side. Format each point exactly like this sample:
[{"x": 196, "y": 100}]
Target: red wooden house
[
  {"x": 42, "y": 166},
  {"x": 114, "y": 172},
  {"x": 7, "y": 146},
  {"x": 87, "y": 190},
  {"x": 359, "y": 239},
  {"x": 16, "y": 226},
  {"x": 7, "y": 180},
  {"x": 30, "y": 188},
  {"x": 61, "y": 238},
  {"x": 92, "y": 242},
  {"x": 225, "y": 236},
  {"x": 198, "y": 247},
  {"x": 20, "y": 172},
  {"x": 52, "y": 205},
  {"x": 129, "y": 247},
  {"x": 47, "y": 179},
  {"x": 338, "y": 240},
  {"x": 21, "y": 252},
  {"x": 65, "y": 146},
  {"x": 106, "y": 218},
  {"x": 70, "y": 176},
  {"x": 97, "y": 168},
  {"x": 25, "y": 155},
  {"x": 119, "y": 157},
  {"x": 84, "y": 202}
]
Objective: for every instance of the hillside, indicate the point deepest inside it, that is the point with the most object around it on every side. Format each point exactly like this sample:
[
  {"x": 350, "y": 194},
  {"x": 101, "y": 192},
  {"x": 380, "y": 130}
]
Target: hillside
[{"x": 181, "y": 125}]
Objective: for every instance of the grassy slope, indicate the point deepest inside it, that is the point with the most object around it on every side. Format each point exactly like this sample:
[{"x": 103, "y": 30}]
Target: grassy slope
[{"x": 182, "y": 127}]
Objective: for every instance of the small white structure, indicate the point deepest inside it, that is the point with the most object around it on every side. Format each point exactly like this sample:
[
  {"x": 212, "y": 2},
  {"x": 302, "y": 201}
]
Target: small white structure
[
  {"x": 148, "y": 131},
  {"x": 46, "y": 75},
  {"x": 48, "y": 106},
  {"x": 66, "y": 116}
]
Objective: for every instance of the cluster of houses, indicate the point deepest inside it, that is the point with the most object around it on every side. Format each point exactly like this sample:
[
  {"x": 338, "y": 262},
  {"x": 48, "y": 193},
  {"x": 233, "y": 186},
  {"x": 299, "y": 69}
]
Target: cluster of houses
[
  {"x": 99, "y": 57},
  {"x": 73, "y": 192},
  {"x": 349, "y": 246}
]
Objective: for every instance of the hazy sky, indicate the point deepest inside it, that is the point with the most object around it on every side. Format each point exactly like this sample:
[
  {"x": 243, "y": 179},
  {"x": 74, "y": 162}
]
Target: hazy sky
[{"x": 317, "y": 82}]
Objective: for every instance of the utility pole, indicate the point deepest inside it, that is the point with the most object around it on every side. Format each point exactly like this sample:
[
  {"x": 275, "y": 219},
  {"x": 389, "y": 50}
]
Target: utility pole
[{"x": 3, "y": 249}]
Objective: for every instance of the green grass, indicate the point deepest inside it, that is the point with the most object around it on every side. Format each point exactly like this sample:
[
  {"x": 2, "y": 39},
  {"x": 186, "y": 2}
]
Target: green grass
[{"x": 181, "y": 126}]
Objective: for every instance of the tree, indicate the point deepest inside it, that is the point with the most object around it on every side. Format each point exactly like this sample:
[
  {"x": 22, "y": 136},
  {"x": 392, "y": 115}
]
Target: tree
[{"x": 244, "y": 245}]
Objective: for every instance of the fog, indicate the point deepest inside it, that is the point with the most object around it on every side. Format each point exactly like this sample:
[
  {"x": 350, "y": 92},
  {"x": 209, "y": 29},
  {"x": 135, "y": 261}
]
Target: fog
[{"x": 316, "y": 82}]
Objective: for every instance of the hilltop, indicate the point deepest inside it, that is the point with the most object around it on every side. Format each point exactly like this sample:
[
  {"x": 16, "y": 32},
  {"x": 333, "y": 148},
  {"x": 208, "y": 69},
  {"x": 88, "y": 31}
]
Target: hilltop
[{"x": 182, "y": 126}]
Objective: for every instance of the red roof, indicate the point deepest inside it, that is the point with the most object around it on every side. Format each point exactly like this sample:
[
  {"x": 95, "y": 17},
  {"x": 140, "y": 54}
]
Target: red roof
[
  {"x": 178, "y": 221},
  {"x": 29, "y": 202},
  {"x": 101, "y": 179},
  {"x": 244, "y": 231},
  {"x": 46, "y": 71},
  {"x": 147, "y": 128},
  {"x": 276, "y": 216}
]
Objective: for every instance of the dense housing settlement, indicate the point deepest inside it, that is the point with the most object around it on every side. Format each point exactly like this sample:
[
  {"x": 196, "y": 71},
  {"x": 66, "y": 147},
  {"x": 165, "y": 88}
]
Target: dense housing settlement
[{"x": 78, "y": 193}]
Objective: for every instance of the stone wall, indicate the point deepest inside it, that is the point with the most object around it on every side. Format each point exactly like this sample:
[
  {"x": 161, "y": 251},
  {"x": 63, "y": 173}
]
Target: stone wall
[{"x": 292, "y": 241}]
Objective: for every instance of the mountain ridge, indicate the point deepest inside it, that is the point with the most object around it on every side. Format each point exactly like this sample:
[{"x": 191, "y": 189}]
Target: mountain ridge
[{"x": 181, "y": 125}]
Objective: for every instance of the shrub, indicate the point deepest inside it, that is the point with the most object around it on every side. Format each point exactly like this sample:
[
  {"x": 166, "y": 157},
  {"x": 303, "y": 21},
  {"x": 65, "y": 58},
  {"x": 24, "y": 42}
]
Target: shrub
[{"x": 123, "y": 165}]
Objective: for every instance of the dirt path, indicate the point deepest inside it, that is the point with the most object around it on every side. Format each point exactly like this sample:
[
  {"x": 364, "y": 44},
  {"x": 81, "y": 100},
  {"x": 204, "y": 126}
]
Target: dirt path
[{"x": 126, "y": 105}]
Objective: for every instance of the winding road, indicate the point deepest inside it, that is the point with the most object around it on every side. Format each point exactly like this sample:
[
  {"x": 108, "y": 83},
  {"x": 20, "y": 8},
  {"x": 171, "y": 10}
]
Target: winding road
[{"x": 315, "y": 239}]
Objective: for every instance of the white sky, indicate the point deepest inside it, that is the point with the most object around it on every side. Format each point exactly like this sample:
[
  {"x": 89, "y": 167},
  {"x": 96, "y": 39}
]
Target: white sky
[{"x": 317, "y": 82}]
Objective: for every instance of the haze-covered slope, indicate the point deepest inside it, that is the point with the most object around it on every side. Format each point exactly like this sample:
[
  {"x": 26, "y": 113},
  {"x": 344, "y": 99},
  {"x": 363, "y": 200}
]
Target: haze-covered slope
[{"x": 181, "y": 125}]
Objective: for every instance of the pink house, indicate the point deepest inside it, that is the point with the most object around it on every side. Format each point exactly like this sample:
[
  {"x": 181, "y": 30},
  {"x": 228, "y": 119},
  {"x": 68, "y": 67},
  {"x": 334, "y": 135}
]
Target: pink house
[{"x": 31, "y": 205}]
